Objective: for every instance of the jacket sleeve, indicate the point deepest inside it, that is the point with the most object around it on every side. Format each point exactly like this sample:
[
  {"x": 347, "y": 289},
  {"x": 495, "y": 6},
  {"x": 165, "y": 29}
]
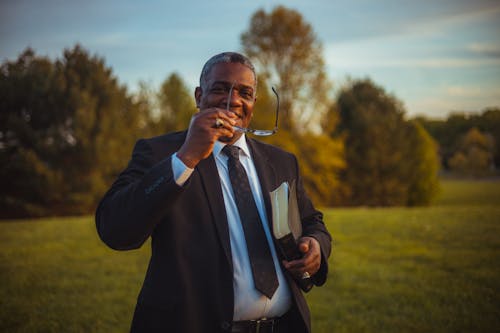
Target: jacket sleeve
[
  {"x": 313, "y": 226},
  {"x": 137, "y": 200}
]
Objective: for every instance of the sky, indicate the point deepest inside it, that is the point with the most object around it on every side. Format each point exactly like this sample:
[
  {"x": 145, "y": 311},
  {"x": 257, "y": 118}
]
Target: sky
[{"x": 436, "y": 56}]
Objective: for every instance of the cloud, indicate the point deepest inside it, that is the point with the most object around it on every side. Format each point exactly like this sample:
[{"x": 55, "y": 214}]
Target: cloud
[
  {"x": 439, "y": 107},
  {"x": 361, "y": 20},
  {"x": 458, "y": 91},
  {"x": 485, "y": 49},
  {"x": 453, "y": 18},
  {"x": 442, "y": 62},
  {"x": 369, "y": 57},
  {"x": 459, "y": 39},
  {"x": 467, "y": 98},
  {"x": 473, "y": 91}
]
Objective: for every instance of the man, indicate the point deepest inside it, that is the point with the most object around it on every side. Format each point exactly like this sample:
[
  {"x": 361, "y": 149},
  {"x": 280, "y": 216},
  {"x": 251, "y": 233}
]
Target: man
[{"x": 179, "y": 190}]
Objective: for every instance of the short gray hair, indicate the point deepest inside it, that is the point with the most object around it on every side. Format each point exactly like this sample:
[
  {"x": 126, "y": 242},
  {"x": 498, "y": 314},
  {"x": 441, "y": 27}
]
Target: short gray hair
[{"x": 225, "y": 57}]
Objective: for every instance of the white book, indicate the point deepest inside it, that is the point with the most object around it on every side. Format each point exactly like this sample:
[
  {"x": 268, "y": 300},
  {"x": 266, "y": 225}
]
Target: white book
[{"x": 287, "y": 226}]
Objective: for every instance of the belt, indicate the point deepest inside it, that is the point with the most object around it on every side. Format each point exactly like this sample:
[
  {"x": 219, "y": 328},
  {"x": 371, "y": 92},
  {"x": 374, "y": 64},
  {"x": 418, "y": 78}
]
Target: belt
[{"x": 256, "y": 326}]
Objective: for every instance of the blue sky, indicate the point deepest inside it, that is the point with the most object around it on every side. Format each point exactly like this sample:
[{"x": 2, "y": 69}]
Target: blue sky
[{"x": 436, "y": 56}]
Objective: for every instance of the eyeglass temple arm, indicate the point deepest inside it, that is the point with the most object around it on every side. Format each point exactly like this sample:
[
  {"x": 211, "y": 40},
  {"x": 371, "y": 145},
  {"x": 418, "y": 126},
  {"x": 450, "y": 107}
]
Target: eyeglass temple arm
[{"x": 277, "y": 107}]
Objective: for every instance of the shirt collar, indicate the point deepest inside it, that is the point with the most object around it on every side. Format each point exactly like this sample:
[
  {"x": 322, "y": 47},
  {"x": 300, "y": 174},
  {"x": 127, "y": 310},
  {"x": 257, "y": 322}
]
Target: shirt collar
[{"x": 241, "y": 143}]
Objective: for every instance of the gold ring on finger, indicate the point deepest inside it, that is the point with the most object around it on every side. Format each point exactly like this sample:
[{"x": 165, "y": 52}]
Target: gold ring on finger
[{"x": 219, "y": 122}]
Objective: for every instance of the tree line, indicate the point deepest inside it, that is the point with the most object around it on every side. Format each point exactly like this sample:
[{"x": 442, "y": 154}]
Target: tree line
[
  {"x": 469, "y": 144},
  {"x": 67, "y": 126}
]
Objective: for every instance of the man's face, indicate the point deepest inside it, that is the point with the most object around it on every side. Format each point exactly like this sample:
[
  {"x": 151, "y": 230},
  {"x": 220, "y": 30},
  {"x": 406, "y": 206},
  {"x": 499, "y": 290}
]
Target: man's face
[{"x": 215, "y": 93}]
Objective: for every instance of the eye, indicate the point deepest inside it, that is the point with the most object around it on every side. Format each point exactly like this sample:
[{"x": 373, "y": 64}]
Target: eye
[
  {"x": 246, "y": 93},
  {"x": 218, "y": 90}
]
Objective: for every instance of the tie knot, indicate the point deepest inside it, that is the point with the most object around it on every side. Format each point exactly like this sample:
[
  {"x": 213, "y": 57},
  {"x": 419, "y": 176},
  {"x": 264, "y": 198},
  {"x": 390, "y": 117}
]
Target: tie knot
[{"x": 232, "y": 152}]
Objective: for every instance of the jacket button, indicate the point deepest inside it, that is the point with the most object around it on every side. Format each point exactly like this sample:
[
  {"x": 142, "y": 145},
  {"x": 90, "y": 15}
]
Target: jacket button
[{"x": 225, "y": 326}]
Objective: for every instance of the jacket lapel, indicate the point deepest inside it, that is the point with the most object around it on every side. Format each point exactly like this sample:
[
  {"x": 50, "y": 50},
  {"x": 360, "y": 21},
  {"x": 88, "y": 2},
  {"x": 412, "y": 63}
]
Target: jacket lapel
[{"x": 213, "y": 191}]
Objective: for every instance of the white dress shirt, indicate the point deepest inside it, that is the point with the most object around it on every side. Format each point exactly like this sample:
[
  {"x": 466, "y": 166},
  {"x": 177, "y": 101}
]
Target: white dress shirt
[{"x": 249, "y": 303}]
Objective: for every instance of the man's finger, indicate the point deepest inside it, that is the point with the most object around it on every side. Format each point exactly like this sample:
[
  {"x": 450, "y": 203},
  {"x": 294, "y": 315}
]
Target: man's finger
[{"x": 304, "y": 246}]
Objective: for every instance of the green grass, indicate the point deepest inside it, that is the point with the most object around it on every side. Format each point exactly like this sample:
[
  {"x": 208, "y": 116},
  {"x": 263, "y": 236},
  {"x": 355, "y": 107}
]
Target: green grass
[
  {"x": 56, "y": 276},
  {"x": 434, "y": 269},
  {"x": 469, "y": 193}
]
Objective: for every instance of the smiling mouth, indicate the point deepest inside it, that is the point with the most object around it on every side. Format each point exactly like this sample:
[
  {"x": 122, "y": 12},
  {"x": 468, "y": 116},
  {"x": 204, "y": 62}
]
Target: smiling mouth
[{"x": 239, "y": 114}]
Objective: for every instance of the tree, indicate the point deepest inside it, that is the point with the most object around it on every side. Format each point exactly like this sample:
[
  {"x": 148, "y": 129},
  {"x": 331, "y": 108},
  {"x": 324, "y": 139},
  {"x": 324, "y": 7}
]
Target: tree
[
  {"x": 288, "y": 53},
  {"x": 383, "y": 167},
  {"x": 321, "y": 157},
  {"x": 449, "y": 132},
  {"x": 176, "y": 104},
  {"x": 69, "y": 127},
  {"x": 425, "y": 165},
  {"x": 264, "y": 114},
  {"x": 474, "y": 155},
  {"x": 32, "y": 132},
  {"x": 488, "y": 121},
  {"x": 322, "y": 161}
]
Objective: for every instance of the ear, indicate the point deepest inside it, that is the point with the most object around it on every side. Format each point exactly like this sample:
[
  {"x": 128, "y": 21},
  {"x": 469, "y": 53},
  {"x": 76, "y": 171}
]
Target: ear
[{"x": 197, "y": 96}]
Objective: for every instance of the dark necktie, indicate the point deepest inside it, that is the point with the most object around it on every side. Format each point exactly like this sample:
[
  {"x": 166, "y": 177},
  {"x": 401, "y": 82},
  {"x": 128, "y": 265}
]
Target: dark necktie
[{"x": 264, "y": 274}]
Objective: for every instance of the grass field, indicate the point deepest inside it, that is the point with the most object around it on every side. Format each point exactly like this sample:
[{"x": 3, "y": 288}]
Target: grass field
[{"x": 434, "y": 269}]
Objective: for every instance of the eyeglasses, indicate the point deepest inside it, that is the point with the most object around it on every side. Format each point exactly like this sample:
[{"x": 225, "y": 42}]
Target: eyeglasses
[{"x": 257, "y": 132}]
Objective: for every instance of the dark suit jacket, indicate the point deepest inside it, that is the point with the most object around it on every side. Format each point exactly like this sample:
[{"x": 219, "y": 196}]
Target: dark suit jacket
[{"x": 188, "y": 284}]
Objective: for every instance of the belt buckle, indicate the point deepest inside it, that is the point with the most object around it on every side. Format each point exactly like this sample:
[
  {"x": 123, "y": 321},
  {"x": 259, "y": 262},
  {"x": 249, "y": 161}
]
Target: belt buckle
[
  {"x": 261, "y": 321},
  {"x": 257, "y": 325}
]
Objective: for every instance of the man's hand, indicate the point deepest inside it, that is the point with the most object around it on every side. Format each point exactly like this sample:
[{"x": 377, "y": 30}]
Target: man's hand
[
  {"x": 204, "y": 130},
  {"x": 310, "y": 261}
]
